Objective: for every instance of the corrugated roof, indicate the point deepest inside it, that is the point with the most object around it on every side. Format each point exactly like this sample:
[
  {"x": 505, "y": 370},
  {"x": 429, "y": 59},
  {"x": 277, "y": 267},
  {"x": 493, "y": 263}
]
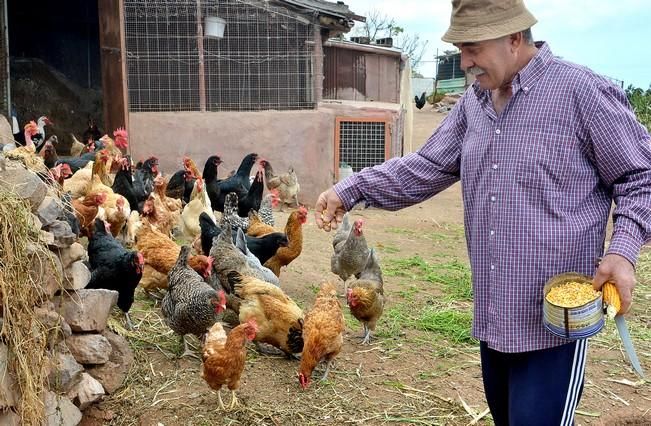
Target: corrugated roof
[{"x": 339, "y": 9}]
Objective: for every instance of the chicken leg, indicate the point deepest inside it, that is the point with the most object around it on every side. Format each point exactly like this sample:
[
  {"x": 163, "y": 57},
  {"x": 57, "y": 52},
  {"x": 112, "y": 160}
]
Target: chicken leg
[
  {"x": 128, "y": 321},
  {"x": 221, "y": 403},
  {"x": 327, "y": 370},
  {"x": 366, "y": 338},
  {"x": 186, "y": 348},
  {"x": 234, "y": 401}
]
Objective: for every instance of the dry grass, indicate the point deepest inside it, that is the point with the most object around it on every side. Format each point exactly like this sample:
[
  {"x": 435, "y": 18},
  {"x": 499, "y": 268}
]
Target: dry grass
[{"x": 20, "y": 249}]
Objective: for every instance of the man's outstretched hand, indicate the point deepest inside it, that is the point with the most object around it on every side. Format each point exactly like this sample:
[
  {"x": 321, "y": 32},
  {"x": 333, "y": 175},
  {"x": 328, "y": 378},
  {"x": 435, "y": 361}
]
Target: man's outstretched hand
[{"x": 329, "y": 210}]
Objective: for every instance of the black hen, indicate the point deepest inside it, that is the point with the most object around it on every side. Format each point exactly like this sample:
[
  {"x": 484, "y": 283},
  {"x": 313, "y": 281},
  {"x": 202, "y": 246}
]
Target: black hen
[
  {"x": 210, "y": 179},
  {"x": 77, "y": 163},
  {"x": 253, "y": 198},
  {"x": 92, "y": 132},
  {"x": 113, "y": 267},
  {"x": 239, "y": 183},
  {"x": 143, "y": 180},
  {"x": 420, "y": 102},
  {"x": 123, "y": 184},
  {"x": 265, "y": 247},
  {"x": 209, "y": 230}
]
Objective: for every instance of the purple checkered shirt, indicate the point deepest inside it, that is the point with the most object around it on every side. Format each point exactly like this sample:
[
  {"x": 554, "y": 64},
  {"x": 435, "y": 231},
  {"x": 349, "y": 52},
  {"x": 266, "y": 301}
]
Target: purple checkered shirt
[{"x": 538, "y": 182}]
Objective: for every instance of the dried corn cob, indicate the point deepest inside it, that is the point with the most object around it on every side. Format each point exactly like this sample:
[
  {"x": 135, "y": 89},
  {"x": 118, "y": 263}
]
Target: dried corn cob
[{"x": 611, "y": 299}]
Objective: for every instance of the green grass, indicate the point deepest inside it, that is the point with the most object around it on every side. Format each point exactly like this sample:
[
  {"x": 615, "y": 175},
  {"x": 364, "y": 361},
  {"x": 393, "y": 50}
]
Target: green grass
[
  {"x": 401, "y": 231},
  {"x": 452, "y": 275}
]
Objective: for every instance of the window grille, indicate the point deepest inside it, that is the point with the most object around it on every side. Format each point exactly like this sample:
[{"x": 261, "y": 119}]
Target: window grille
[
  {"x": 264, "y": 60},
  {"x": 361, "y": 142}
]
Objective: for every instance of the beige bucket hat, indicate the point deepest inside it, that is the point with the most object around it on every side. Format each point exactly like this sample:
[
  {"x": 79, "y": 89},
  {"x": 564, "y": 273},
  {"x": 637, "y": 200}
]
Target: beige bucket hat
[{"x": 478, "y": 20}]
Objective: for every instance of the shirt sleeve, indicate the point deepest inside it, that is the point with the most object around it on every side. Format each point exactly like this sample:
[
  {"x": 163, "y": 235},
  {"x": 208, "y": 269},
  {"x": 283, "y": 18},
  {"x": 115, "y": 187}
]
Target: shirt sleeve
[
  {"x": 408, "y": 180},
  {"x": 622, "y": 148}
]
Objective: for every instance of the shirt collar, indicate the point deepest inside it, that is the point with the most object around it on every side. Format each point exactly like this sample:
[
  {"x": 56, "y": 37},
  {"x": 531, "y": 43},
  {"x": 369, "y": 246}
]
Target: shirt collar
[{"x": 527, "y": 77}]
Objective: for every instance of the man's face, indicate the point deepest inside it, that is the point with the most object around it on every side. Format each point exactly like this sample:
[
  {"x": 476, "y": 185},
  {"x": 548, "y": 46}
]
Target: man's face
[{"x": 491, "y": 61}]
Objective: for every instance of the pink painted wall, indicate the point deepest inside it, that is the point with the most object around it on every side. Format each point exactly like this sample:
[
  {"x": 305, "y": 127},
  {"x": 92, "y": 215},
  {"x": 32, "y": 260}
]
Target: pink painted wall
[{"x": 302, "y": 139}]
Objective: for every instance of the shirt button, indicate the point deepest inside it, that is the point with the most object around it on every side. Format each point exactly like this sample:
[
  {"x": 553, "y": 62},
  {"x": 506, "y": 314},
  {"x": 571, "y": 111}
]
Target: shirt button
[
  {"x": 498, "y": 131},
  {"x": 494, "y": 166},
  {"x": 492, "y": 267},
  {"x": 493, "y": 198},
  {"x": 492, "y": 232},
  {"x": 525, "y": 88}
]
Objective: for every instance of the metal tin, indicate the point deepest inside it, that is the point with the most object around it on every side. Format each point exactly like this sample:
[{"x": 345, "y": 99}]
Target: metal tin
[{"x": 572, "y": 323}]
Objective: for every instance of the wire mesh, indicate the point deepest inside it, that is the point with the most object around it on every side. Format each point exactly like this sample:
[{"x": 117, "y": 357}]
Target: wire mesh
[
  {"x": 264, "y": 60},
  {"x": 362, "y": 144}
]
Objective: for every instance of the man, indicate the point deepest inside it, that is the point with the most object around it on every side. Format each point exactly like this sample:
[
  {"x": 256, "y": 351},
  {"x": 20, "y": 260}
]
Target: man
[{"x": 542, "y": 148}]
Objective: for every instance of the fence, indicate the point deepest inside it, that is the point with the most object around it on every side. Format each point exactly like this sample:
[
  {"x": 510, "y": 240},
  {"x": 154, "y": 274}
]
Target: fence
[{"x": 263, "y": 61}]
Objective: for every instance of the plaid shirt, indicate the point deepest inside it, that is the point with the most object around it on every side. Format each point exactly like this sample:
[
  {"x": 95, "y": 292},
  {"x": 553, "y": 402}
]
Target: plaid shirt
[{"x": 538, "y": 182}]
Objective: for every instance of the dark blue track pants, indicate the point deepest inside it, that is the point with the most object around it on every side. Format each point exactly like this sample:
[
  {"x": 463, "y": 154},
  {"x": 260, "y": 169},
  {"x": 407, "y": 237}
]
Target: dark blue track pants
[{"x": 534, "y": 388}]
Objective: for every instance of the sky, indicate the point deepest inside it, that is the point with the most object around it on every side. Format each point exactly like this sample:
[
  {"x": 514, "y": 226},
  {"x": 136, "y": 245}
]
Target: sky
[{"x": 612, "y": 37}]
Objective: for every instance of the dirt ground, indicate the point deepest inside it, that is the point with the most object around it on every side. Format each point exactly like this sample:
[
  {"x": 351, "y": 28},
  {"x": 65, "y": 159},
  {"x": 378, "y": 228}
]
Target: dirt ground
[{"x": 406, "y": 376}]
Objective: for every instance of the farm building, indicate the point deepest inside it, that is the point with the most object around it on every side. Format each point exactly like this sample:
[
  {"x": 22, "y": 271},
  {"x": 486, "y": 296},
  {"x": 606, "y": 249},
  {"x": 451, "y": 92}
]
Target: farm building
[{"x": 273, "y": 82}]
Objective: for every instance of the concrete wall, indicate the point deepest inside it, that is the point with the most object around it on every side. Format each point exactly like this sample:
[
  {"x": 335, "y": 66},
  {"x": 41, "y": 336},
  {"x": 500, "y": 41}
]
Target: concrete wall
[{"x": 302, "y": 139}]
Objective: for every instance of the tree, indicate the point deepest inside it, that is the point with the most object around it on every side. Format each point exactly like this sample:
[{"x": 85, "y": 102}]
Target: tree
[{"x": 378, "y": 26}]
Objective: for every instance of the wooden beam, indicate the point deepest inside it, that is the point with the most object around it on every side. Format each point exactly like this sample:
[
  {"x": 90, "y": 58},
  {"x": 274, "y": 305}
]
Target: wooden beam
[{"x": 114, "y": 67}]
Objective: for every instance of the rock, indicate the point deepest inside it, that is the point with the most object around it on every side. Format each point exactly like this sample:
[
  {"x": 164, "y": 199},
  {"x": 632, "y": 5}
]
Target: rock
[
  {"x": 60, "y": 411},
  {"x": 71, "y": 254},
  {"x": 48, "y": 210},
  {"x": 9, "y": 418},
  {"x": 112, "y": 374},
  {"x": 48, "y": 271},
  {"x": 77, "y": 276},
  {"x": 9, "y": 392},
  {"x": 46, "y": 238},
  {"x": 63, "y": 235},
  {"x": 87, "y": 391},
  {"x": 36, "y": 222},
  {"x": 56, "y": 326},
  {"x": 25, "y": 183},
  {"x": 66, "y": 371},
  {"x": 89, "y": 348},
  {"x": 86, "y": 310}
]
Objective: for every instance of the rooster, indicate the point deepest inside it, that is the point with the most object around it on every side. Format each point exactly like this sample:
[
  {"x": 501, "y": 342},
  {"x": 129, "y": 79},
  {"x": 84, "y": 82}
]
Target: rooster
[
  {"x": 113, "y": 267},
  {"x": 190, "y": 306},
  {"x": 322, "y": 333},
  {"x": 350, "y": 249},
  {"x": 27, "y": 154},
  {"x": 181, "y": 183},
  {"x": 365, "y": 296},
  {"x": 224, "y": 357},
  {"x": 279, "y": 319}
]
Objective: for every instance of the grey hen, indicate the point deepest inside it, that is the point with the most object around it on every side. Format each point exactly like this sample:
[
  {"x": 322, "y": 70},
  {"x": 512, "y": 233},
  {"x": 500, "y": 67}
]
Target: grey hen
[
  {"x": 230, "y": 215},
  {"x": 350, "y": 249},
  {"x": 190, "y": 306},
  {"x": 254, "y": 262}
]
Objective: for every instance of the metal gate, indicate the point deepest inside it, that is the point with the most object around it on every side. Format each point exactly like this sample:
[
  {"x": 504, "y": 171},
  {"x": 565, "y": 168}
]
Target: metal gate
[
  {"x": 361, "y": 142},
  {"x": 5, "y": 101}
]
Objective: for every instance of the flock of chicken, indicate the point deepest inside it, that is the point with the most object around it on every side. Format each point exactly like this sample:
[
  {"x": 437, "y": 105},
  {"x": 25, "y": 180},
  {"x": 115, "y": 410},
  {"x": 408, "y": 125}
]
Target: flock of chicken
[{"x": 228, "y": 270}]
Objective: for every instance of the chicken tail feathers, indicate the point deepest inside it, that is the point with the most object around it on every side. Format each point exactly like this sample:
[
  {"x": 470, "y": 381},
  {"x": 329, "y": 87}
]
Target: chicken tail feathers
[{"x": 234, "y": 279}]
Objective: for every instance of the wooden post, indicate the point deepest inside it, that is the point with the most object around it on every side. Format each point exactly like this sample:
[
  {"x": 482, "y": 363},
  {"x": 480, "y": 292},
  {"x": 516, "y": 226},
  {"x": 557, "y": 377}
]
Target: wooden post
[{"x": 114, "y": 67}]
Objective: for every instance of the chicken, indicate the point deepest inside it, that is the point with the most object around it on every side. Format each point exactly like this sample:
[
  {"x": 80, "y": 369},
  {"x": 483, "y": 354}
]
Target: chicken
[
  {"x": 118, "y": 216},
  {"x": 160, "y": 254},
  {"x": 86, "y": 210},
  {"x": 350, "y": 249},
  {"x": 210, "y": 170},
  {"x": 131, "y": 229},
  {"x": 59, "y": 174},
  {"x": 156, "y": 215},
  {"x": 190, "y": 306},
  {"x": 257, "y": 228},
  {"x": 365, "y": 296},
  {"x": 420, "y": 102},
  {"x": 294, "y": 231},
  {"x": 80, "y": 182},
  {"x": 113, "y": 267},
  {"x": 198, "y": 204},
  {"x": 181, "y": 183},
  {"x": 77, "y": 147},
  {"x": 266, "y": 212},
  {"x": 279, "y": 319},
  {"x": 224, "y": 357},
  {"x": 92, "y": 132},
  {"x": 265, "y": 274},
  {"x": 172, "y": 205},
  {"x": 253, "y": 198},
  {"x": 123, "y": 184},
  {"x": 322, "y": 333},
  {"x": 229, "y": 258},
  {"x": 208, "y": 232},
  {"x": 286, "y": 184},
  {"x": 27, "y": 154},
  {"x": 239, "y": 182},
  {"x": 49, "y": 152},
  {"x": 229, "y": 214},
  {"x": 143, "y": 179}
]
